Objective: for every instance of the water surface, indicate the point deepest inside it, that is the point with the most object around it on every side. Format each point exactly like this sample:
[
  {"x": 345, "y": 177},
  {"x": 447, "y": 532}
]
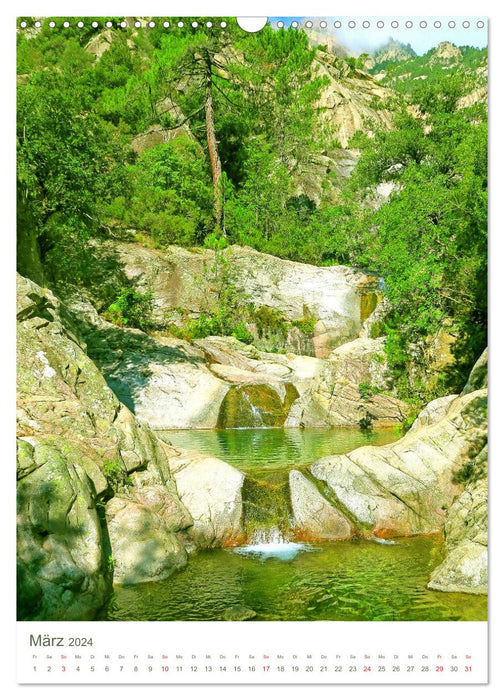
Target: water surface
[
  {"x": 259, "y": 451},
  {"x": 341, "y": 581}
]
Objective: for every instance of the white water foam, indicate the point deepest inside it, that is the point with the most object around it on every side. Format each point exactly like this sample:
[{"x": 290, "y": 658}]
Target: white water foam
[{"x": 272, "y": 543}]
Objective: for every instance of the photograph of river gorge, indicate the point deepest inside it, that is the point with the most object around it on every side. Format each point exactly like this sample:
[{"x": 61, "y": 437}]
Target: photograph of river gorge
[{"x": 251, "y": 320}]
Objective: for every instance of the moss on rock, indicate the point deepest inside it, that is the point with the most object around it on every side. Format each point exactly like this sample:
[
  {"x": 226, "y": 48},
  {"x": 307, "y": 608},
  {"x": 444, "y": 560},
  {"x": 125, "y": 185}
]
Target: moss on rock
[{"x": 253, "y": 406}]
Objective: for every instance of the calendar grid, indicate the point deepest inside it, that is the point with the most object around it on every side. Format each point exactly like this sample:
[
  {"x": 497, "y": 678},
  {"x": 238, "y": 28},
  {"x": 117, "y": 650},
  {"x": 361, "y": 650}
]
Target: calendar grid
[{"x": 171, "y": 653}]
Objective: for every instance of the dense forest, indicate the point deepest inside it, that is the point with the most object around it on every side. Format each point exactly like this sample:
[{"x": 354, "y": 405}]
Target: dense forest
[{"x": 246, "y": 132}]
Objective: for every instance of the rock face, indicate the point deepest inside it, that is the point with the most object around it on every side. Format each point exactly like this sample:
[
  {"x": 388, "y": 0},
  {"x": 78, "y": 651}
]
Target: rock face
[
  {"x": 211, "y": 491},
  {"x": 348, "y": 391},
  {"x": 405, "y": 488},
  {"x": 164, "y": 381},
  {"x": 183, "y": 279},
  {"x": 445, "y": 51},
  {"x": 214, "y": 382},
  {"x": 478, "y": 379},
  {"x": 76, "y": 446},
  {"x": 346, "y": 101},
  {"x": 465, "y": 568},
  {"x": 145, "y": 522},
  {"x": 433, "y": 412},
  {"x": 393, "y": 51},
  {"x": 62, "y": 573},
  {"x": 314, "y": 518}
]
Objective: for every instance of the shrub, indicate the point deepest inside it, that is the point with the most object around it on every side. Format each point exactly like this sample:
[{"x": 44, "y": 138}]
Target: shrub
[
  {"x": 269, "y": 321},
  {"x": 366, "y": 422},
  {"x": 306, "y": 325},
  {"x": 114, "y": 473},
  {"x": 131, "y": 308},
  {"x": 366, "y": 390}
]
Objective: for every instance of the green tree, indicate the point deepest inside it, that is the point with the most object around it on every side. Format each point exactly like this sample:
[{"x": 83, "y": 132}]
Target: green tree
[{"x": 69, "y": 163}]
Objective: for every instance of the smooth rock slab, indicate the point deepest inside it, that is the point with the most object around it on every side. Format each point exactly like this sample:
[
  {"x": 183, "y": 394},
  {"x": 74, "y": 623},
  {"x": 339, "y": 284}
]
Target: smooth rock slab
[
  {"x": 405, "y": 488},
  {"x": 144, "y": 546},
  {"x": 465, "y": 570},
  {"x": 314, "y": 518},
  {"x": 210, "y": 489}
]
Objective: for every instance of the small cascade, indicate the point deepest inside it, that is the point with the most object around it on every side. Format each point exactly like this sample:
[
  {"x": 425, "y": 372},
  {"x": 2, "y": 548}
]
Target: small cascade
[
  {"x": 252, "y": 406},
  {"x": 256, "y": 414},
  {"x": 267, "y": 518}
]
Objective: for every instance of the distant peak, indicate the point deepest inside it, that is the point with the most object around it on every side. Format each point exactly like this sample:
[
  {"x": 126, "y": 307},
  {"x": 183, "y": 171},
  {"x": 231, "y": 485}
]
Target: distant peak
[
  {"x": 393, "y": 50},
  {"x": 446, "y": 50}
]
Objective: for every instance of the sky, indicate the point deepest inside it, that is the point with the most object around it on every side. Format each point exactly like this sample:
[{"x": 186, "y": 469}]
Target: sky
[{"x": 359, "y": 39}]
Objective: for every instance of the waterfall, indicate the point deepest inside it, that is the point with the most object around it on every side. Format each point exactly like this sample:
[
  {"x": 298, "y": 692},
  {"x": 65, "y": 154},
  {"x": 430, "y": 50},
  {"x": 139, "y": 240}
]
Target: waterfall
[
  {"x": 270, "y": 542},
  {"x": 267, "y": 519},
  {"x": 257, "y": 421}
]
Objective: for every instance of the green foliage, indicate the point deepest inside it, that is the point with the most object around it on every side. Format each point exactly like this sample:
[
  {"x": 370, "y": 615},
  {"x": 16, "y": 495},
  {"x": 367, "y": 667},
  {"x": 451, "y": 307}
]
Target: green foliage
[
  {"x": 78, "y": 177},
  {"x": 225, "y": 317},
  {"x": 169, "y": 196},
  {"x": 131, "y": 308},
  {"x": 114, "y": 473},
  {"x": 306, "y": 325},
  {"x": 410, "y": 418},
  {"x": 215, "y": 240},
  {"x": 268, "y": 319},
  {"x": 367, "y": 390},
  {"x": 465, "y": 474},
  {"x": 219, "y": 324}
]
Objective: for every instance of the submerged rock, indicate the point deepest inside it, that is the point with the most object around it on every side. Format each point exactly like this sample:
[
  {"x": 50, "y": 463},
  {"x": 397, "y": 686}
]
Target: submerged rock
[{"x": 237, "y": 613}]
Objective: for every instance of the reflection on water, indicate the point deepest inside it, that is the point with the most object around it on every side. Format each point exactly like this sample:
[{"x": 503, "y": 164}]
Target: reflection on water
[
  {"x": 340, "y": 581},
  {"x": 259, "y": 451}
]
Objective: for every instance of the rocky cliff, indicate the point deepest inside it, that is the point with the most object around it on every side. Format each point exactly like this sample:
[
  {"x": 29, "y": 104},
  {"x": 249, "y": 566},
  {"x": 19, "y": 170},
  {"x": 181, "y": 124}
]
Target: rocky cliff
[
  {"x": 97, "y": 501},
  {"x": 337, "y": 299}
]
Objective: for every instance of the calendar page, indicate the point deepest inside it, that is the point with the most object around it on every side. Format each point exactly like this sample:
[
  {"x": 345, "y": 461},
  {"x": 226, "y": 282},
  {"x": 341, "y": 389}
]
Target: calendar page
[{"x": 252, "y": 349}]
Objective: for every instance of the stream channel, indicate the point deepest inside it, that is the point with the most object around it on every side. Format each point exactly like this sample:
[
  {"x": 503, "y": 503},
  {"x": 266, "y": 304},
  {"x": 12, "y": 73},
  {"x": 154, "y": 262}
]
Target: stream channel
[{"x": 281, "y": 579}]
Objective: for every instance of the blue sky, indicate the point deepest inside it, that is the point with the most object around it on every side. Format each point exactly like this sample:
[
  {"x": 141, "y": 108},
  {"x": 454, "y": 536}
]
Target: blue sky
[{"x": 359, "y": 39}]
